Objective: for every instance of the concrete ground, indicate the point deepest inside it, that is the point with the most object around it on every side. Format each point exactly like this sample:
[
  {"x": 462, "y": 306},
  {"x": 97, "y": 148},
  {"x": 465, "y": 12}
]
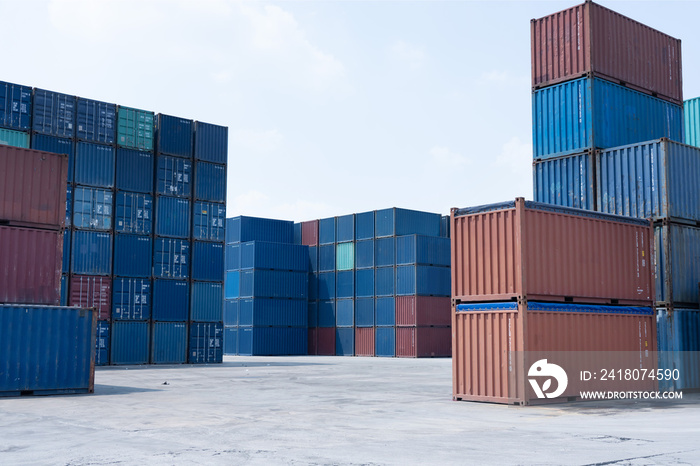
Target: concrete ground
[{"x": 329, "y": 410}]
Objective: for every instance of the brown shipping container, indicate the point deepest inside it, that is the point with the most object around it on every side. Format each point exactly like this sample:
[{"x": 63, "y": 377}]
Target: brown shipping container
[
  {"x": 32, "y": 188},
  {"x": 30, "y": 266},
  {"x": 525, "y": 249},
  {"x": 423, "y": 342},
  {"x": 589, "y": 38},
  {"x": 91, "y": 291},
  {"x": 309, "y": 233},
  {"x": 326, "y": 341},
  {"x": 364, "y": 341},
  {"x": 423, "y": 311},
  {"x": 313, "y": 339},
  {"x": 494, "y": 348}
]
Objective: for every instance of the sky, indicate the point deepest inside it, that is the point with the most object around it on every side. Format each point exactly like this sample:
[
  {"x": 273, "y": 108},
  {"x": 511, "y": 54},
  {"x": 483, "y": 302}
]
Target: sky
[{"x": 333, "y": 107}]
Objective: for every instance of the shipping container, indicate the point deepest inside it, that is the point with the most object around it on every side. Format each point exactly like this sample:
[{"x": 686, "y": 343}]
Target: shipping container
[
  {"x": 207, "y": 302},
  {"x": 130, "y": 343},
  {"x": 400, "y": 222},
  {"x": 423, "y": 250},
  {"x": 96, "y": 121},
  {"x": 274, "y": 284},
  {"x": 69, "y": 206},
  {"x": 135, "y": 170},
  {"x": 384, "y": 280},
  {"x": 364, "y": 226},
  {"x": 326, "y": 314},
  {"x": 171, "y": 258},
  {"x": 133, "y": 255},
  {"x": 169, "y": 343},
  {"x": 210, "y": 142},
  {"x": 272, "y": 341},
  {"x": 445, "y": 226},
  {"x": 691, "y": 111},
  {"x": 91, "y": 253},
  {"x": 174, "y": 135},
  {"x": 345, "y": 313},
  {"x": 46, "y": 350},
  {"x": 364, "y": 254},
  {"x": 677, "y": 263},
  {"x": 385, "y": 312},
  {"x": 313, "y": 286},
  {"x": 590, "y": 113},
  {"x": 232, "y": 285},
  {"x": 345, "y": 341},
  {"x": 423, "y": 342},
  {"x": 53, "y": 113},
  {"x": 312, "y": 314},
  {"x": 135, "y": 128},
  {"x": 326, "y": 257},
  {"x": 422, "y": 280},
  {"x": 385, "y": 341},
  {"x": 345, "y": 256},
  {"x": 325, "y": 343},
  {"x": 313, "y": 265},
  {"x": 345, "y": 284},
  {"x": 326, "y": 285},
  {"x": 385, "y": 252},
  {"x": 131, "y": 298},
  {"x": 312, "y": 341},
  {"x": 364, "y": 341},
  {"x": 210, "y": 182},
  {"x": 539, "y": 251},
  {"x": 590, "y": 38},
  {"x": 657, "y": 179},
  {"x": 345, "y": 228},
  {"x": 33, "y": 187},
  {"x": 172, "y": 217},
  {"x": 173, "y": 176},
  {"x": 364, "y": 313},
  {"x": 230, "y": 340},
  {"x": 11, "y": 137},
  {"x": 207, "y": 261},
  {"x": 232, "y": 253},
  {"x": 171, "y": 301},
  {"x": 243, "y": 229},
  {"x": 327, "y": 230},
  {"x": 95, "y": 165},
  {"x": 566, "y": 181},
  {"x": 93, "y": 292},
  {"x": 231, "y": 311},
  {"x": 102, "y": 343},
  {"x": 205, "y": 343},
  {"x": 264, "y": 312},
  {"x": 209, "y": 221},
  {"x": 30, "y": 265},
  {"x": 679, "y": 347},
  {"x": 309, "y": 233},
  {"x": 423, "y": 311},
  {"x": 64, "y": 290},
  {"x": 364, "y": 283},
  {"x": 15, "y": 106},
  {"x": 297, "y": 233},
  {"x": 133, "y": 213},
  {"x": 57, "y": 146},
  {"x": 274, "y": 256},
  {"x": 92, "y": 208}
]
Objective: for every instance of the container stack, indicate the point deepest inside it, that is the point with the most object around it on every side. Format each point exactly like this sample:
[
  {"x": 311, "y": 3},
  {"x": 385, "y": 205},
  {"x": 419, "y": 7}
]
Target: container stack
[{"x": 15, "y": 114}]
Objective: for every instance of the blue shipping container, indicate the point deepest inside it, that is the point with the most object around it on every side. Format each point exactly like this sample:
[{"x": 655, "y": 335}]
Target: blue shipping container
[
  {"x": 207, "y": 261},
  {"x": 274, "y": 256},
  {"x": 385, "y": 252},
  {"x": 326, "y": 230},
  {"x": 91, "y": 253},
  {"x": 232, "y": 285},
  {"x": 273, "y": 284},
  {"x": 566, "y": 181},
  {"x": 131, "y": 298},
  {"x": 691, "y": 110},
  {"x": 384, "y": 279},
  {"x": 209, "y": 221},
  {"x": 272, "y": 341},
  {"x": 265, "y": 312},
  {"x": 172, "y": 217},
  {"x": 364, "y": 312},
  {"x": 64, "y": 290},
  {"x": 445, "y": 226},
  {"x": 102, "y": 344},
  {"x": 677, "y": 263},
  {"x": 130, "y": 342},
  {"x": 345, "y": 284},
  {"x": 210, "y": 142},
  {"x": 313, "y": 259},
  {"x": 231, "y": 340},
  {"x": 96, "y": 121},
  {"x": 345, "y": 228},
  {"x": 364, "y": 225},
  {"x": 423, "y": 280},
  {"x": 297, "y": 233},
  {"x": 66, "y": 251},
  {"x": 15, "y": 106},
  {"x": 206, "y": 343},
  {"x": 326, "y": 285},
  {"x": 94, "y": 165},
  {"x": 92, "y": 208},
  {"x": 173, "y": 176},
  {"x": 210, "y": 182},
  {"x": 364, "y": 254},
  {"x": 312, "y": 318},
  {"x": 313, "y": 286},
  {"x": 243, "y": 229},
  {"x": 133, "y": 255},
  {"x": 231, "y": 311},
  {"x": 171, "y": 258},
  {"x": 364, "y": 283},
  {"x": 385, "y": 342},
  {"x": 57, "y": 146},
  {"x": 174, "y": 135},
  {"x": 133, "y": 213},
  {"x": 207, "y": 302},
  {"x": 171, "y": 300},
  {"x": 345, "y": 341},
  {"x": 423, "y": 250},
  {"x": 233, "y": 256},
  {"x": 53, "y": 113},
  {"x": 135, "y": 170},
  {"x": 385, "y": 312},
  {"x": 344, "y": 313},
  {"x": 326, "y": 314},
  {"x": 400, "y": 222},
  {"x": 678, "y": 333},
  {"x": 326, "y": 258},
  {"x": 169, "y": 343}
]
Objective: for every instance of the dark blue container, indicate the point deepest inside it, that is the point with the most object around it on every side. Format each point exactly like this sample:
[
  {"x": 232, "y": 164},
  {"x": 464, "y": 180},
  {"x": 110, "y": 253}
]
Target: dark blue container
[
  {"x": 102, "y": 344},
  {"x": 274, "y": 284},
  {"x": 94, "y": 165},
  {"x": 385, "y": 252},
  {"x": 274, "y": 256},
  {"x": 53, "y": 113},
  {"x": 171, "y": 300},
  {"x": 423, "y": 280},
  {"x": 91, "y": 253},
  {"x": 174, "y": 136},
  {"x": 313, "y": 286},
  {"x": 133, "y": 255},
  {"x": 345, "y": 284},
  {"x": 210, "y": 142},
  {"x": 364, "y": 312},
  {"x": 265, "y": 312},
  {"x": 233, "y": 256},
  {"x": 135, "y": 170},
  {"x": 172, "y": 217},
  {"x": 385, "y": 342},
  {"x": 15, "y": 106},
  {"x": 423, "y": 250},
  {"x": 206, "y": 302},
  {"x": 400, "y": 222},
  {"x": 169, "y": 343},
  {"x": 326, "y": 258},
  {"x": 326, "y": 230},
  {"x": 232, "y": 285},
  {"x": 131, "y": 298},
  {"x": 272, "y": 341},
  {"x": 207, "y": 261},
  {"x": 312, "y": 321},
  {"x": 206, "y": 343},
  {"x": 364, "y": 283},
  {"x": 566, "y": 181},
  {"x": 231, "y": 340},
  {"x": 96, "y": 121},
  {"x": 133, "y": 213},
  {"x": 57, "y": 146},
  {"x": 326, "y": 314},
  {"x": 364, "y": 254},
  {"x": 679, "y": 347},
  {"x": 64, "y": 290},
  {"x": 130, "y": 342},
  {"x": 445, "y": 226},
  {"x": 69, "y": 206},
  {"x": 345, "y": 313},
  {"x": 385, "y": 312},
  {"x": 66, "y": 251},
  {"x": 173, "y": 176},
  {"x": 345, "y": 341},
  {"x": 171, "y": 258},
  {"x": 231, "y": 311},
  {"x": 326, "y": 285},
  {"x": 297, "y": 233},
  {"x": 92, "y": 208},
  {"x": 242, "y": 229},
  {"x": 384, "y": 279},
  {"x": 364, "y": 226},
  {"x": 313, "y": 259},
  {"x": 345, "y": 228},
  {"x": 209, "y": 223},
  {"x": 210, "y": 182}
]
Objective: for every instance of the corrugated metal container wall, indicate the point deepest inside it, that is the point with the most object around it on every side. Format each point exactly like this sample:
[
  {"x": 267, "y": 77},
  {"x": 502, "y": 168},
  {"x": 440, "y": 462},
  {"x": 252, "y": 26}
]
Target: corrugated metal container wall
[
  {"x": 46, "y": 350},
  {"x": 210, "y": 182},
  {"x": 274, "y": 256},
  {"x": 524, "y": 248},
  {"x": 230, "y": 340},
  {"x": 133, "y": 255},
  {"x": 93, "y": 292},
  {"x": 385, "y": 341},
  {"x": 169, "y": 343},
  {"x": 309, "y": 233},
  {"x": 400, "y": 222},
  {"x": 423, "y": 250},
  {"x": 312, "y": 341},
  {"x": 691, "y": 110},
  {"x": 210, "y": 142},
  {"x": 326, "y": 258},
  {"x": 384, "y": 281},
  {"x": 135, "y": 128},
  {"x": 209, "y": 221},
  {"x": 233, "y": 256},
  {"x": 345, "y": 284},
  {"x": 10, "y": 137},
  {"x": 92, "y": 208},
  {"x": 345, "y": 341},
  {"x": 243, "y": 229},
  {"x": 30, "y": 265},
  {"x": 131, "y": 298},
  {"x": 345, "y": 228},
  {"x": 677, "y": 263},
  {"x": 364, "y": 254},
  {"x": 96, "y": 121},
  {"x": 364, "y": 313},
  {"x": 590, "y": 113},
  {"x": 94, "y": 165},
  {"x": 364, "y": 283},
  {"x": 231, "y": 311},
  {"x": 679, "y": 347},
  {"x": 172, "y": 217},
  {"x": 173, "y": 176},
  {"x": 206, "y": 343},
  {"x": 326, "y": 342},
  {"x": 57, "y": 146},
  {"x": 313, "y": 259},
  {"x": 133, "y": 213},
  {"x": 53, "y": 113},
  {"x": 326, "y": 285},
  {"x": 364, "y": 225},
  {"x": 385, "y": 314},
  {"x": 445, "y": 226},
  {"x": 135, "y": 170},
  {"x": 657, "y": 179},
  {"x": 171, "y": 300},
  {"x": 364, "y": 341},
  {"x": 102, "y": 344},
  {"x": 566, "y": 181},
  {"x": 297, "y": 233},
  {"x": 591, "y": 38},
  {"x": 312, "y": 314},
  {"x": 422, "y": 280},
  {"x": 326, "y": 314},
  {"x": 326, "y": 230},
  {"x": 345, "y": 256},
  {"x": 345, "y": 313},
  {"x": 272, "y": 341},
  {"x": 273, "y": 312},
  {"x": 64, "y": 290},
  {"x": 232, "y": 285},
  {"x": 130, "y": 342},
  {"x": 66, "y": 251},
  {"x": 423, "y": 342},
  {"x": 171, "y": 258},
  {"x": 273, "y": 284},
  {"x": 32, "y": 188},
  {"x": 423, "y": 311},
  {"x": 313, "y": 287},
  {"x": 385, "y": 252},
  {"x": 69, "y": 206},
  {"x": 15, "y": 106},
  {"x": 174, "y": 135},
  {"x": 207, "y": 261},
  {"x": 207, "y": 302},
  {"x": 91, "y": 253}
]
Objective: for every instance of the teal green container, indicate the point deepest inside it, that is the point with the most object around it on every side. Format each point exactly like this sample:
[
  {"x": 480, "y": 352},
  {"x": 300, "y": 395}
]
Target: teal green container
[
  {"x": 691, "y": 109},
  {"x": 345, "y": 256},
  {"x": 135, "y": 129},
  {"x": 10, "y": 137}
]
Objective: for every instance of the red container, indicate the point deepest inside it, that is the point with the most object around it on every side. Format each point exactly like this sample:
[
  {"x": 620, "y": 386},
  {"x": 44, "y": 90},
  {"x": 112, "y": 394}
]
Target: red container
[
  {"x": 589, "y": 38},
  {"x": 542, "y": 252},
  {"x": 364, "y": 341},
  {"x": 91, "y": 291},
  {"x": 309, "y": 233},
  {"x": 30, "y": 265},
  {"x": 313, "y": 341},
  {"x": 326, "y": 341},
  {"x": 423, "y": 342},
  {"x": 32, "y": 188},
  {"x": 423, "y": 311}
]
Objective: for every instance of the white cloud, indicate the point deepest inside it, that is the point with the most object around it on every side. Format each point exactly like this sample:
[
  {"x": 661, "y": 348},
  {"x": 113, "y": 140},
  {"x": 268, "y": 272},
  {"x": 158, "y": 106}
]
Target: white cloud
[
  {"x": 515, "y": 156},
  {"x": 443, "y": 156},
  {"x": 413, "y": 55},
  {"x": 258, "y": 140}
]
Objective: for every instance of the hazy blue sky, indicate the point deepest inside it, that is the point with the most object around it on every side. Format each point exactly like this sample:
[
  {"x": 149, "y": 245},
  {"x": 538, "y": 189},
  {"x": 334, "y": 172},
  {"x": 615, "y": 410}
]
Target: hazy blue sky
[{"x": 333, "y": 107}]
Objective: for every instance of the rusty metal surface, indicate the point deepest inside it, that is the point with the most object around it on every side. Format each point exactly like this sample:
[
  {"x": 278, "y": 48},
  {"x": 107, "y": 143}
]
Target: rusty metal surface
[
  {"x": 423, "y": 342},
  {"x": 325, "y": 341},
  {"x": 364, "y": 341},
  {"x": 91, "y": 291},
  {"x": 422, "y": 311}
]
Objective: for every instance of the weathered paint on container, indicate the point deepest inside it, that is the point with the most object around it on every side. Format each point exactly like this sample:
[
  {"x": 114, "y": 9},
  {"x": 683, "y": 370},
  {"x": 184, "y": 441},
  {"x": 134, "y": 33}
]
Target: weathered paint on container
[
  {"x": 11, "y": 137},
  {"x": 385, "y": 341},
  {"x": 92, "y": 208},
  {"x": 102, "y": 344},
  {"x": 326, "y": 314},
  {"x": 131, "y": 298},
  {"x": 242, "y": 229},
  {"x": 345, "y": 256},
  {"x": 169, "y": 343},
  {"x": 53, "y": 113},
  {"x": 327, "y": 230},
  {"x": 272, "y": 341},
  {"x": 364, "y": 254},
  {"x": 209, "y": 182},
  {"x": 313, "y": 266},
  {"x": 678, "y": 333},
  {"x": 232, "y": 285},
  {"x": 205, "y": 343},
  {"x": 345, "y": 284},
  {"x": 309, "y": 233},
  {"x": 96, "y": 121},
  {"x": 230, "y": 340},
  {"x": 326, "y": 341},
  {"x": 326, "y": 285},
  {"x": 423, "y": 250},
  {"x": 345, "y": 341},
  {"x": 207, "y": 302},
  {"x": 171, "y": 300},
  {"x": 326, "y": 257},
  {"x": 15, "y": 106},
  {"x": 133, "y": 213},
  {"x": 423, "y": 342},
  {"x": 231, "y": 311},
  {"x": 567, "y": 181},
  {"x": 364, "y": 226},
  {"x": 171, "y": 258},
  {"x": 133, "y": 255},
  {"x": 677, "y": 263},
  {"x": 210, "y": 142},
  {"x": 130, "y": 343},
  {"x": 56, "y": 145},
  {"x": 207, "y": 261},
  {"x": 264, "y": 312},
  {"x": 274, "y": 284},
  {"x": 400, "y": 222},
  {"x": 691, "y": 112},
  {"x": 46, "y": 350},
  {"x": 135, "y": 170},
  {"x": 135, "y": 128},
  {"x": 422, "y": 280},
  {"x": 364, "y": 341},
  {"x": 274, "y": 256},
  {"x": 94, "y": 165},
  {"x": 174, "y": 135},
  {"x": 232, "y": 253},
  {"x": 364, "y": 283},
  {"x": 385, "y": 252},
  {"x": 345, "y": 313},
  {"x": 345, "y": 228},
  {"x": 590, "y": 113},
  {"x": 30, "y": 265},
  {"x": 312, "y": 314},
  {"x": 173, "y": 176},
  {"x": 364, "y": 313},
  {"x": 423, "y": 311},
  {"x": 385, "y": 312},
  {"x": 539, "y": 251},
  {"x": 654, "y": 179},
  {"x": 91, "y": 253},
  {"x": 384, "y": 281},
  {"x": 591, "y": 38},
  {"x": 32, "y": 188},
  {"x": 209, "y": 222},
  {"x": 93, "y": 292},
  {"x": 69, "y": 205},
  {"x": 65, "y": 268},
  {"x": 312, "y": 341},
  {"x": 173, "y": 217}
]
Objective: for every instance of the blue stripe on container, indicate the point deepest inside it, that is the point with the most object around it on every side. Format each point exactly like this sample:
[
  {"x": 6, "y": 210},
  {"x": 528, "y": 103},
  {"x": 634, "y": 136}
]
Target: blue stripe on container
[
  {"x": 91, "y": 253},
  {"x": 345, "y": 341},
  {"x": 210, "y": 142},
  {"x": 171, "y": 258},
  {"x": 209, "y": 222},
  {"x": 53, "y": 113},
  {"x": 206, "y": 343},
  {"x": 364, "y": 312},
  {"x": 479, "y": 307},
  {"x": 135, "y": 170},
  {"x": 273, "y": 312},
  {"x": 130, "y": 342},
  {"x": 243, "y": 229},
  {"x": 210, "y": 182},
  {"x": 206, "y": 302},
  {"x": 207, "y": 261},
  {"x": 96, "y": 121},
  {"x": 169, "y": 343},
  {"x": 326, "y": 314},
  {"x": 57, "y": 146},
  {"x": 15, "y": 106},
  {"x": 173, "y": 176},
  {"x": 385, "y": 341},
  {"x": 171, "y": 300},
  {"x": 133, "y": 213},
  {"x": 133, "y": 255},
  {"x": 92, "y": 208},
  {"x": 172, "y": 217},
  {"x": 94, "y": 165},
  {"x": 131, "y": 298},
  {"x": 174, "y": 135},
  {"x": 385, "y": 314}
]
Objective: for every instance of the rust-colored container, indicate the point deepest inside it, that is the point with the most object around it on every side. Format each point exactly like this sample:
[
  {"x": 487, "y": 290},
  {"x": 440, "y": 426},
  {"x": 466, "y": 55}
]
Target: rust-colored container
[
  {"x": 326, "y": 341},
  {"x": 91, "y": 291},
  {"x": 423, "y": 342},
  {"x": 309, "y": 233},
  {"x": 30, "y": 265},
  {"x": 313, "y": 341},
  {"x": 364, "y": 341},
  {"x": 537, "y": 251},
  {"x": 423, "y": 311},
  {"x": 589, "y": 38},
  {"x": 495, "y": 346},
  {"x": 32, "y": 188}
]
